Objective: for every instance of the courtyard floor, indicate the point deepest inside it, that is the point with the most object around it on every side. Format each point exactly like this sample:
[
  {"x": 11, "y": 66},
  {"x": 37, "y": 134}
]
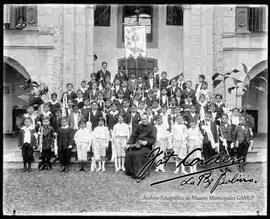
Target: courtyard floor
[{"x": 88, "y": 193}]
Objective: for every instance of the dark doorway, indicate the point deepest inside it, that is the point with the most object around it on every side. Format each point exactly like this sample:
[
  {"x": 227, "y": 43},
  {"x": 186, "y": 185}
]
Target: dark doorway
[{"x": 14, "y": 96}]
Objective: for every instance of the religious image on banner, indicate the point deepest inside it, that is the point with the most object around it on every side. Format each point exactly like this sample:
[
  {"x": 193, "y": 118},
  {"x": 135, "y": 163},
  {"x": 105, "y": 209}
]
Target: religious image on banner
[{"x": 135, "y": 41}]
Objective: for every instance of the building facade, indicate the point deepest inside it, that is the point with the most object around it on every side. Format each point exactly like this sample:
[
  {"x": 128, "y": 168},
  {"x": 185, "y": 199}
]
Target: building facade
[{"x": 58, "y": 43}]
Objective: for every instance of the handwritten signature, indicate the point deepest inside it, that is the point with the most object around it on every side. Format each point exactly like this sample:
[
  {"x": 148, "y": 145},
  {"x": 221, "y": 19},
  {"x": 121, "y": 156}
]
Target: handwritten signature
[
  {"x": 207, "y": 180},
  {"x": 223, "y": 160}
]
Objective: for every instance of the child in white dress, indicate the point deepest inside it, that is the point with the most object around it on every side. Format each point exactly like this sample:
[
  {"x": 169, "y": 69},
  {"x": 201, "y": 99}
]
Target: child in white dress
[
  {"x": 101, "y": 138},
  {"x": 120, "y": 135},
  {"x": 195, "y": 139},
  {"x": 83, "y": 140},
  {"x": 179, "y": 139},
  {"x": 162, "y": 140}
]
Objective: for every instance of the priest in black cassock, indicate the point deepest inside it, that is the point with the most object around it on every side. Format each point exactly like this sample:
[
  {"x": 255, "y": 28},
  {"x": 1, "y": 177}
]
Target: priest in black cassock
[{"x": 139, "y": 146}]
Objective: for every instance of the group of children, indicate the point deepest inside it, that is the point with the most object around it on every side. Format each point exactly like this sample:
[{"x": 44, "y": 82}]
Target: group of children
[{"x": 102, "y": 114}]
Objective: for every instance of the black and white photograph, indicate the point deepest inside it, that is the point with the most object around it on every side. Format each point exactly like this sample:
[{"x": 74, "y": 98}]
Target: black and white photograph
[{"x": 135, "y": 109}]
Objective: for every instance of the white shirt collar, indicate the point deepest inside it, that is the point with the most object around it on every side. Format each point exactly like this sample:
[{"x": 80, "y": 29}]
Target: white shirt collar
[{"x": 47, "y": 113}]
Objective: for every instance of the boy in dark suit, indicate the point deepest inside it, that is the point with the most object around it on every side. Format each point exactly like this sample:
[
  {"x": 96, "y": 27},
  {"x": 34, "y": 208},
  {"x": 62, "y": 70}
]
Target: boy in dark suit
[
  {"x": 86, "y": 109},
  {"x": 94, "y": 115},
  {"x": 199, "y": 85},
  {"x": 70, "y": 94},
  {"x": 121, "y": 75},
  {"x": 116, "y": 87},
  {"x": 132, "y": 117},
  {"x": 210, "y": 137},
  {"x": 64, "y": 141},
  {"x": 243, "y": 138},
  {"x": 27, "y": 143},
  {"x": 220, "y": 106},
  {"x": 179, "y": 100},
  {"x": 92, "y": 80},
  {"x": 84, "y": 89},
  {"x": 47, "y": 113},
  {"x": 181, "y": 84},
  {"x": 191, "y": 116},
  {"x": 172, "y": 88},
  {"x": 47, "y": 144},
  {"x": 126, "y": 90},
  {"x": 150, "y": 82},
  {"x": 226, "y": 135},
  {"x": 100, "y": 101},
  {"x": 189, "y": 91},
  {"x": 54, "y": 104},
  {"x": 112, "y": 117},
  {"x": 164, "y": 82}
]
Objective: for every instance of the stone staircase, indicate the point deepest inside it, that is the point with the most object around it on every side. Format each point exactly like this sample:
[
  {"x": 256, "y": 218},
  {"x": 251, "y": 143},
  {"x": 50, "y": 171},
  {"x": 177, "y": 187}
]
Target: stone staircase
[{"x": 12, "y": 155}]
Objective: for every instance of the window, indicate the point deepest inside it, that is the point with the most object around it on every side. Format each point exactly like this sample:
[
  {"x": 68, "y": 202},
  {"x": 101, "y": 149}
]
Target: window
[
  {"x": 135, "y": 15},
  {"x": 256, "y": 19},
  {"x": 20, "y": 17},
  {"x": 102, "y": 15},
  {"x": 174, "y": 15},
  {"x": 250, "y": 20}
]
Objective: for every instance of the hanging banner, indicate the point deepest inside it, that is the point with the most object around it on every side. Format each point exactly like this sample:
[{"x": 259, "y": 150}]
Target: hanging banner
[{"x": 135, "y": 41}]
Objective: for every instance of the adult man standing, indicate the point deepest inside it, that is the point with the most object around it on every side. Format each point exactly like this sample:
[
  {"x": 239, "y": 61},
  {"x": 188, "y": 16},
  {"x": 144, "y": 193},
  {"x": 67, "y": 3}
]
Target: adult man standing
[
  {"x": 139, "y": 146},
  {"x": 103, "y": 72}
]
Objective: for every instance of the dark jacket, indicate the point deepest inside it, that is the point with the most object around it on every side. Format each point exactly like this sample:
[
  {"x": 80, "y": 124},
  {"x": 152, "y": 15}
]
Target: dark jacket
[
  {"x": 214, "y": 131},
  {"x": 100, "y": 74},
  {"x": 227, "y": 132},
  {"x": 135, "y": 119},
  {"x": 94, "y": 118},
  {"x": 33, "y": 141},
  {"x": 241, "y": 134},
  {"x": 64, "y": 138},
  {"x": 48, "y": 135},
  {"x": 111, "y": 120},
  {"x": 144, "y": 132},
  {"x": 52, "y": 119},
  {"x": 71, "y": 96}
]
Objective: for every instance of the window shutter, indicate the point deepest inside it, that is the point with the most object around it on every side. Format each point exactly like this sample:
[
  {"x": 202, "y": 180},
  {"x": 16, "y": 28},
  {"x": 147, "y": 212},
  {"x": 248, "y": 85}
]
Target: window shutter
[
  {"x": 242, "y": 20},
  {"x": 12, "y": 17},
  {"x": 31, "y": 17}
]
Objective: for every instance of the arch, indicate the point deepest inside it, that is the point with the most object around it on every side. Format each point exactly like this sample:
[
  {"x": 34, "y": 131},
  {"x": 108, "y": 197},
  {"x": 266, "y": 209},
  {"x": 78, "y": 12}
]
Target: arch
[
  {"x": 17, "y": 66},
  {"x": 255, "y": 70}
]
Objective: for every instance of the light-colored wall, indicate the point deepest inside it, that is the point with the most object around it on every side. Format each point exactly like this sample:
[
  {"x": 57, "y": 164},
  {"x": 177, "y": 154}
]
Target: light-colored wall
[
  {"x": 169, "y": 52},
  {"x": 249, "y": 49}
]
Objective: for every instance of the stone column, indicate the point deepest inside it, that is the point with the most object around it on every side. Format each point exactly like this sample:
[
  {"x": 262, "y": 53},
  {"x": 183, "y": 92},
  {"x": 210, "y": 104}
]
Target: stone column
[
  {"x": 79, "y": 44},
  {"x": 206, "y": 43},
  {"x": 58, "y": 58},
  {"x": 187, "y": 43},
  {"x": 218, "y": 58},
  {"x": 89, "y": 58}
]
